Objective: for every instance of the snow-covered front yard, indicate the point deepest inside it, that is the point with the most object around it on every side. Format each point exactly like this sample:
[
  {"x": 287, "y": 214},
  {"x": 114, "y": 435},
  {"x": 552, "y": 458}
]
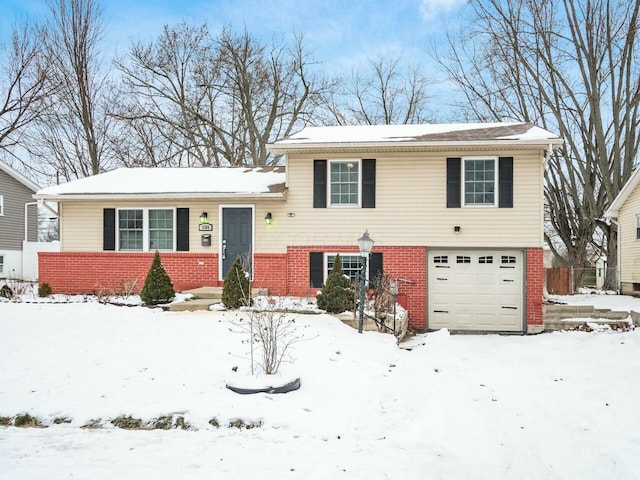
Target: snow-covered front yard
[{"x": 558, "y": 405}]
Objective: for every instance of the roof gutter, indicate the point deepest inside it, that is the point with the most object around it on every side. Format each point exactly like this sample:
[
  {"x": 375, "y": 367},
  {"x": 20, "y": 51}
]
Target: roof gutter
[
  {"x": 156, "y": 196},
  {"x": 280, "y": 148}
]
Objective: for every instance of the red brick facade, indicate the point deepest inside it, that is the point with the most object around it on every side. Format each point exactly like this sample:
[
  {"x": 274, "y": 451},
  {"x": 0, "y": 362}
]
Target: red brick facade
[{"x": 281, "y": 274}]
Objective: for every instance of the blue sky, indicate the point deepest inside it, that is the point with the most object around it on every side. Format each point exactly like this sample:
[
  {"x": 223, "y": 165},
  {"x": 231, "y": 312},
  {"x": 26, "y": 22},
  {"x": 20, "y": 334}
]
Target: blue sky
[{"x": 342, "y": 34}]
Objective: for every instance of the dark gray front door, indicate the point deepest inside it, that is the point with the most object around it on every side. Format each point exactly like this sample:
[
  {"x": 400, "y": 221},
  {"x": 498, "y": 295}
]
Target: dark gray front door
[{"x": 236, "y": 237}]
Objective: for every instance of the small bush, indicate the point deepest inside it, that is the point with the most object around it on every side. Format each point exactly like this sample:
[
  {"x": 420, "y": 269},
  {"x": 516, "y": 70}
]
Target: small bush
[
  {"x": 337, "y": 293},
  {"x": 157, "y": 286},
  {"x": 5, "y": 421},
  {"x": 6, "y": 291},
  {"x": 44, "y": 289},
  {"x": 214, "y": 422},
  {"x": 240, "y": 424},
  {"x": 61, "y": 420},
  {"x": 162, "y": 423},
  {"x": 127, "y": 423},
  {"x": 25, "y": 420},
  {"x": 235, "y": 291}
]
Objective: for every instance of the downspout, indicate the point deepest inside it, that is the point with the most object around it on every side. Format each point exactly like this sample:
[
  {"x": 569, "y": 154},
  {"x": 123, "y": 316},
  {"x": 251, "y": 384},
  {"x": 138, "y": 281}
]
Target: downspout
[
  {"x": 26, "y": 219},
  {"x": 26, "y": 231},
  {"x": 618, "y": 257}
]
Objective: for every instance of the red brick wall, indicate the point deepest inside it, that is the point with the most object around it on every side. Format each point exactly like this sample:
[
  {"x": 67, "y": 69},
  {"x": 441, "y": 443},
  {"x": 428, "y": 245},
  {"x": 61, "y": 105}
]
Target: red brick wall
[
  {"x": 535, "y": 283},
  {"x": 407, "y": 263},
  {"x": 89, "y": 272},
  {"x": 280, "y": 274},
  {"x": 271, "y": 272}
]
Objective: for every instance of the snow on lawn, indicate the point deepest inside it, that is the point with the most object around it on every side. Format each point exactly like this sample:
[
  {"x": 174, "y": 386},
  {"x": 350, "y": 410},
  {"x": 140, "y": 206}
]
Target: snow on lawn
[{"x": 558, "y": 405}]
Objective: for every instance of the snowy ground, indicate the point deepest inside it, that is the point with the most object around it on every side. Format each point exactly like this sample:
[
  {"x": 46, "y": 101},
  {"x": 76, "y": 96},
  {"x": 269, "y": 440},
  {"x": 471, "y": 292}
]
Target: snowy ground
[{"x": 559, "y": 405}]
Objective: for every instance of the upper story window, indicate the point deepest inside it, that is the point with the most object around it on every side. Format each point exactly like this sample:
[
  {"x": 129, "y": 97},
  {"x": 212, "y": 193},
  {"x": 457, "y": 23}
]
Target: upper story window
[
  {"x": 637, "y": 227},
  {"x": 479, "y": 181},
  {"x": 344, "y": 179},
  {"x": 146, "y": 229},
  {"x": 1, "y": 205}
]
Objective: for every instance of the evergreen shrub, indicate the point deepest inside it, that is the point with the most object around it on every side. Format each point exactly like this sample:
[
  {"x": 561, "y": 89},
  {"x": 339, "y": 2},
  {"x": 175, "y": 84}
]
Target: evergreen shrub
[
  {"x": 337, "y": 293},
  {"x": 158, "y": 287},
  {"x": 235, "y": 291}
]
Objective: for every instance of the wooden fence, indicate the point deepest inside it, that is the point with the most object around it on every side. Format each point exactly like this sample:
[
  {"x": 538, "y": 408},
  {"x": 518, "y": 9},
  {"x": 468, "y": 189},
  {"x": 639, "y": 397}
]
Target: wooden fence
[{"x": 559, "y": 281}]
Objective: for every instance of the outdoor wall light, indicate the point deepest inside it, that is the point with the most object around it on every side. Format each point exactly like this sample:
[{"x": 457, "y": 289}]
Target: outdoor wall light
[
  {"x": 457, "y": 229},
  {"x": 268, "y": 218},
  {"x": 204, "y": 217}
]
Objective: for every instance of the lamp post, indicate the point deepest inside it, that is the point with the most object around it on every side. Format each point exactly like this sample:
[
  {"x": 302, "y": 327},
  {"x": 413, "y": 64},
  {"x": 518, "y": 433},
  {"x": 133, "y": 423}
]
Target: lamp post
[{"x": 365, "y": 243}]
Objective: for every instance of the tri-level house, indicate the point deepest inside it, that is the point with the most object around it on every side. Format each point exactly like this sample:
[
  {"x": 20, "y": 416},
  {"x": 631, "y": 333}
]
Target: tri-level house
[
  {"x": 18, "y": 220},
  {"x": 455, "y": 210}
]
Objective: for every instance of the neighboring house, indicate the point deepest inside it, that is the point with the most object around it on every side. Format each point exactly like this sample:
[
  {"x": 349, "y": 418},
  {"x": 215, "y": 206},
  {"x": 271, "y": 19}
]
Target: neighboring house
[
  {"x": 456, "y": 212},
  {"x": 625, "y": 212},
  {"x": 18, "y": 220}
]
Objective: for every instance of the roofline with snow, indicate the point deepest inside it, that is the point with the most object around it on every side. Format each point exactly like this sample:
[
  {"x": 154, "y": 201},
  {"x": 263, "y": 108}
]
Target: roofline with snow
[
  {"x": 159, "y": 196},
  {"x": 289, "y": 145}
]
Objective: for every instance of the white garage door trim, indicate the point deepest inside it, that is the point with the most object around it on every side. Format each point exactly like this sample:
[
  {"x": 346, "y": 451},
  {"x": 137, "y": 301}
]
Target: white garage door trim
[{"x": 476, "y": 290}]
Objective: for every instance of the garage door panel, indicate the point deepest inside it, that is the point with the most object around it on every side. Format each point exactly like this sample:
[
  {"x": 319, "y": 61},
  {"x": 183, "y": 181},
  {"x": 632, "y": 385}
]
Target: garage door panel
[{"x": 476, "y": 290}]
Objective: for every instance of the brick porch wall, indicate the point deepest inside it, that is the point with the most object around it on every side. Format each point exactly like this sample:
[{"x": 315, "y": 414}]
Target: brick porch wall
[
  {"x": 407, "y": 263},
  {"x": 89, "y": 272},
  {"x": 535, "y": 285}
]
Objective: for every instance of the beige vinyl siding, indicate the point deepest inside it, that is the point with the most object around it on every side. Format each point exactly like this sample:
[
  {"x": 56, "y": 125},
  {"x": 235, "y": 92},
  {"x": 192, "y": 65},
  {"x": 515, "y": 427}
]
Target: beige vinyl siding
[
  {"x": 81, "y": 225},
  {"x": 411, "y": 206},
  {"x": 410, "y": 209},
  {"x": 629, "y": 246}
]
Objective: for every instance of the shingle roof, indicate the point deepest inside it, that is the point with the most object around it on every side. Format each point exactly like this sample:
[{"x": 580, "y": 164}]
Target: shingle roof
[{"x": 173, "y": 182}]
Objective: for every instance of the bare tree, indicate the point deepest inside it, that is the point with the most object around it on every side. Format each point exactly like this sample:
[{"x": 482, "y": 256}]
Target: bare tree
[
  {"x": 385, "y": 93},
  {"x": 570, "y": 66},
  {"x": 219, "y": 100},
  {"x": 71, "y": 134},
  {"x": 24, "y": 70}
]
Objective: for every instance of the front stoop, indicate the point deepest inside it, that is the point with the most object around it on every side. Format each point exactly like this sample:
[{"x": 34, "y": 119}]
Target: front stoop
[{"x": 202, "y": 299}]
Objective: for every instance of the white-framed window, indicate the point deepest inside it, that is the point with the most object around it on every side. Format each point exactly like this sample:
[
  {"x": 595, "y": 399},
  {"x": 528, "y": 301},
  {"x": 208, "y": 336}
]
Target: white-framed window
[
  {"x": 351, "y": 264},
  {"x": 480, "y": 180},
  {"x": 1, "y": 263},
  {"x": 1, "y": 205},
  {"x": 146, "y": 229},
  {"x": 344, "y": 183},
  {"x": 637, "y": 227}
]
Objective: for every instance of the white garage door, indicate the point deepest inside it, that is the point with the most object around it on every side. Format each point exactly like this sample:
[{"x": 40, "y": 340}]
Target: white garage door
[{"x": 475, "y": 290}]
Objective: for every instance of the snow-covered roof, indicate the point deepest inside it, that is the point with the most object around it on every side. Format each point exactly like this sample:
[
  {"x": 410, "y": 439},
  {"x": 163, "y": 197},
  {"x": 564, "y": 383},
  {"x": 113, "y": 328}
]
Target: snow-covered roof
[
  {"x": 627, "y": 189},
  {"x": 12, "y": 172},
  {"x": 419, "y": 135},
  {"x": 173, "y": 183}
]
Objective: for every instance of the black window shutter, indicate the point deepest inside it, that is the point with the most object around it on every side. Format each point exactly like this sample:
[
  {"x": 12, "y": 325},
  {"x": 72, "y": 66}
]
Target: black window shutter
[
  {"x": 319, "y": 184},
  {"x": 182, "y": 229},
  {"x": 505, "y": 182},
  {"x": 375, "y": 266},
  {"x": 109, "y": 229},
  {"x": 369, "y": 183},
  {"x": 316, "y": 269},
  {"x": 454, "y": 177}
]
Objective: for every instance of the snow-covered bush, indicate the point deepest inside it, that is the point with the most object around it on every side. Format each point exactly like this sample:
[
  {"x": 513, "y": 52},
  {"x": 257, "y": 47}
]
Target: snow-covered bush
[{"x": 337, "y": 293}]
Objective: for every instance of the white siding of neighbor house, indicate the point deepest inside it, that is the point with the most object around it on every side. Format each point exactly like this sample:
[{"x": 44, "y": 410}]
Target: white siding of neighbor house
[
  {"x": 410, "y": 209},
  {"x": 629, "y": 246}
]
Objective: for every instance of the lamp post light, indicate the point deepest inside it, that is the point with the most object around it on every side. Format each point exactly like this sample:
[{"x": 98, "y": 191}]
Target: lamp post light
[{"x": 365, "y": 243}]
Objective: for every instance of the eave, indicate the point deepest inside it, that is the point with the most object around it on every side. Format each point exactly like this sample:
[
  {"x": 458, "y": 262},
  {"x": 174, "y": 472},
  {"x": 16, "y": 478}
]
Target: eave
[{"x": 280, "y": 195}]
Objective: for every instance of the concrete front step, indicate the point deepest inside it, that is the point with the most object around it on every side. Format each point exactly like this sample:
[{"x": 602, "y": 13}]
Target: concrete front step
[
  {"x": 192, "y": 305},
  {"x": 214, "y": 293}
]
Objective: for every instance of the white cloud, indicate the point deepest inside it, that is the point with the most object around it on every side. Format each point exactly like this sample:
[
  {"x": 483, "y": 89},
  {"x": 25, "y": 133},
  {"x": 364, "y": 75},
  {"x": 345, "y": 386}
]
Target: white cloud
[{"x": 432, "y": 8}]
